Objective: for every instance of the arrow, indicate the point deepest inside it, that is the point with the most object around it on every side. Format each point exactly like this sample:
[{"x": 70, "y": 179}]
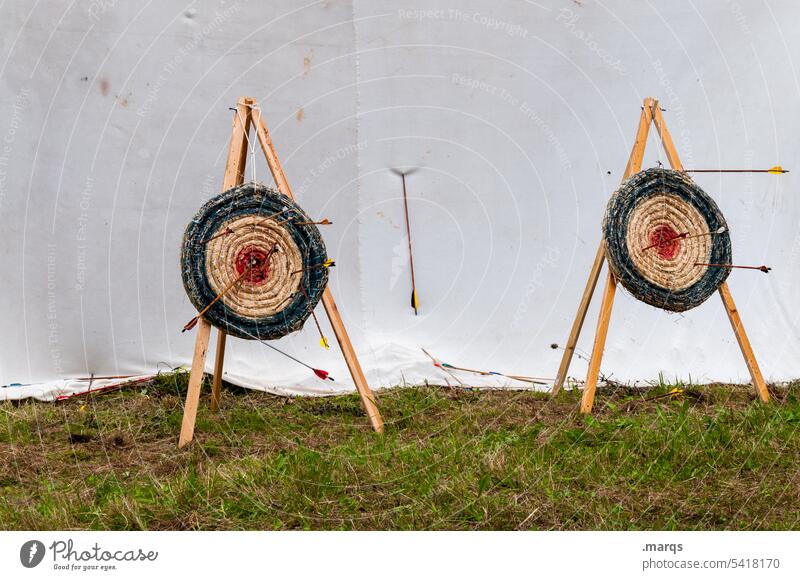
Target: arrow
[
  {"x": 665, "y": 242},
  {"x": 225, "y": 232},
  {"x": 191, "y": 324},
  {"x": 777, "y": 170},
  {"x": 324, "y": 222},
  {"x": 228, "y": 230},
  {"x": 329, "y": 263},
  {"x": 445, "y": 366},
  {"x": 319, "y": 372},
  {"x": 323, "y": 342},
  {"x": 414, "y": 299},
  {"x": 686, "y": 236},
  {"x": 764, "y": 269}
]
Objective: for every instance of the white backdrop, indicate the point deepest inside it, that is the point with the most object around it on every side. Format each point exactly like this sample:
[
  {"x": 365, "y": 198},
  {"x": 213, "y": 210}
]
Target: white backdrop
[{"x": 520, "y": 116}]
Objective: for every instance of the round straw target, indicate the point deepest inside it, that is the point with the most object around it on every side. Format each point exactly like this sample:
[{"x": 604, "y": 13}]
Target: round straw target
[
  {"x": 253, "y": 263},
  {"x": 661, "y": 232}
]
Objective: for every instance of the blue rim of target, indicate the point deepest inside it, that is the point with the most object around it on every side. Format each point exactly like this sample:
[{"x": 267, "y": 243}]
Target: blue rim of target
[{"x": 689, "y": 209}]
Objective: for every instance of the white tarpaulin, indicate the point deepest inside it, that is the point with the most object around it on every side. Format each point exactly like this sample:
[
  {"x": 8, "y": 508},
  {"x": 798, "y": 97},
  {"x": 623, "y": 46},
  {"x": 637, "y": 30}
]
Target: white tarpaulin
[{"x": 519, "y": 116}]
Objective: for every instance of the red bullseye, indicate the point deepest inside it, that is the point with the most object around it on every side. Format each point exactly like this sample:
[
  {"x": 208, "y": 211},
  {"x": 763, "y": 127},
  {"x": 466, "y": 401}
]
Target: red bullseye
[
  {"x": 664, "y": 241},
  {"x": 258, "y": 262}
]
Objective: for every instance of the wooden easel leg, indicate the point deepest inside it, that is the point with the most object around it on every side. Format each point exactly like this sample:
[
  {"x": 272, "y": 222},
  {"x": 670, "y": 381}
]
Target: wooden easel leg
[
  {"x": 577, "y": 324},
  {"x": 234, "y": 175},
  {"x": 587, "y": 400},
  {"x": 724, "y": 291},
  {"x": 349, "y": 353},
  {"x": 633, "y": 166},
  {"x": 367, "y": 398},
  {"x": 219, "y": 361},
  {"x": 195, "y": 382},
  {"x": 744, "y": 343}
]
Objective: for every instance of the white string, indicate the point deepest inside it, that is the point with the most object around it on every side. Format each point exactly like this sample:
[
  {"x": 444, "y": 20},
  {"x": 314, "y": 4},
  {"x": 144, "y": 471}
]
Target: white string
[
  {"x": 250, "y": 146},
  {"x": 254, "y": 147}
]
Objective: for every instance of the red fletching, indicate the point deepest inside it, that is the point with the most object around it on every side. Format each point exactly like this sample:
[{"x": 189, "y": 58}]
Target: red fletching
[
  {"x": 322, "y": 374},
  {"x": 191, "y": 324}
]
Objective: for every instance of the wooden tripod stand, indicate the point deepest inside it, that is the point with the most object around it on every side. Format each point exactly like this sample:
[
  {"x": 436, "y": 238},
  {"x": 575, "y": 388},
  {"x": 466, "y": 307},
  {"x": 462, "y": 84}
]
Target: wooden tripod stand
[
  {"x": 234, "y": 175},
  {"x": 651, "y": 113}
]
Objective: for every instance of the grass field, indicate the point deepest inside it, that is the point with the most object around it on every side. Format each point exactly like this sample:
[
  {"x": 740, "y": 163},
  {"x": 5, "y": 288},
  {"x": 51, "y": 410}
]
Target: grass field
[{"x": 450, "y": 459}]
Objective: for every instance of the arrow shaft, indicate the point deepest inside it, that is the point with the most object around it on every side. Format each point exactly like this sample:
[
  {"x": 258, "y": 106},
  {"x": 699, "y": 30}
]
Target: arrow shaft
[
  {"x": 227, "y": 231},
  {"x": 324, "y": 222},
  {"x": 410, "y": 252},
  {"x": 734, "y": 171},
  {"x": 228, "y": 288},
  {"x": 193, "y": 321},
  {"x": 762, "y": 268},
  {"x": 665, "y": 242},
  {"x": 309, "y": 268}
]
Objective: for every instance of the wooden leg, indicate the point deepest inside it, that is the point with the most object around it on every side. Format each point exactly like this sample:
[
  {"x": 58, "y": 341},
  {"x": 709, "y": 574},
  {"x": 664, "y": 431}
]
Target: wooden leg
[
  {"x": 744, "y": 343},
  {"x": 577, "y": 324},
  {"x": 599, "y": 344},
  {"x": 195, "y": 382},
  {"x": 218, "y": 365},
  {"x": 367, "y": 398},
  {"x": 633, "y": 166}
]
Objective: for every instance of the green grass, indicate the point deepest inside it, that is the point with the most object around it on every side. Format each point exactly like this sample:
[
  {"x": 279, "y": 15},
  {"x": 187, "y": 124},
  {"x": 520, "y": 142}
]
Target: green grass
[{"x": 450, "y": 459}]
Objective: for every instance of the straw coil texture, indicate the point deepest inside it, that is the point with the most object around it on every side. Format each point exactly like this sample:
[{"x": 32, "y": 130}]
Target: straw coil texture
[
  {"x": 658, "y": 225},
  {"x": 248, "y": 240}
]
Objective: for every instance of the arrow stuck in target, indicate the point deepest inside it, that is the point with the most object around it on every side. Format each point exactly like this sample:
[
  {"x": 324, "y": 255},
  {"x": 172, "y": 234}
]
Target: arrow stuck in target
[
  {"x": 253, "y": 263},
  {"x": 764, "y": 269},
  {"x": 685, "y": 236},
  {"x": 329, "y": 263},
  {"x": 776, "y": 170}
]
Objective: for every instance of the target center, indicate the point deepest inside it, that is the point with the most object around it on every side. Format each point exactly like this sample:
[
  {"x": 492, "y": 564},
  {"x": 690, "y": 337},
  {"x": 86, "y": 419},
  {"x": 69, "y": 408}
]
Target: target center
[
  {"x": 665, "y": 242},
  {"x": 257, "y": 260}
]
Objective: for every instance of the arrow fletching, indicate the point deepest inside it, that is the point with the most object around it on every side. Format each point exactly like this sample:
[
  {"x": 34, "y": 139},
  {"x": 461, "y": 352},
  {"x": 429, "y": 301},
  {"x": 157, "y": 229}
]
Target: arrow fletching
[
  {"x": 414, "y": 301},
  {"x": 322, "y": 374},
  {"x": 777, "y": 170},
  {"x": 191, "y": 324},
  {"x": 323, "y": 342},
  {"x": 329, "y": 263}
]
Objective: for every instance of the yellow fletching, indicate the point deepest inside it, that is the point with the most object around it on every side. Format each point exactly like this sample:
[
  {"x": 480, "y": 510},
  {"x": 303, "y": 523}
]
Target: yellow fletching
[
  {"x": 776, "y": 169},
  {"x": 414, "y": 300},
  {"x": 323, "y": 342},
  {"x": 328, "y": 263}
]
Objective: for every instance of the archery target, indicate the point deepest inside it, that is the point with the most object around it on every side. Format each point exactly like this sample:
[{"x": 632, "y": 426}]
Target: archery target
[
  {"x": 659, "y": 229},
  {"x": 257, "y": 252}
]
